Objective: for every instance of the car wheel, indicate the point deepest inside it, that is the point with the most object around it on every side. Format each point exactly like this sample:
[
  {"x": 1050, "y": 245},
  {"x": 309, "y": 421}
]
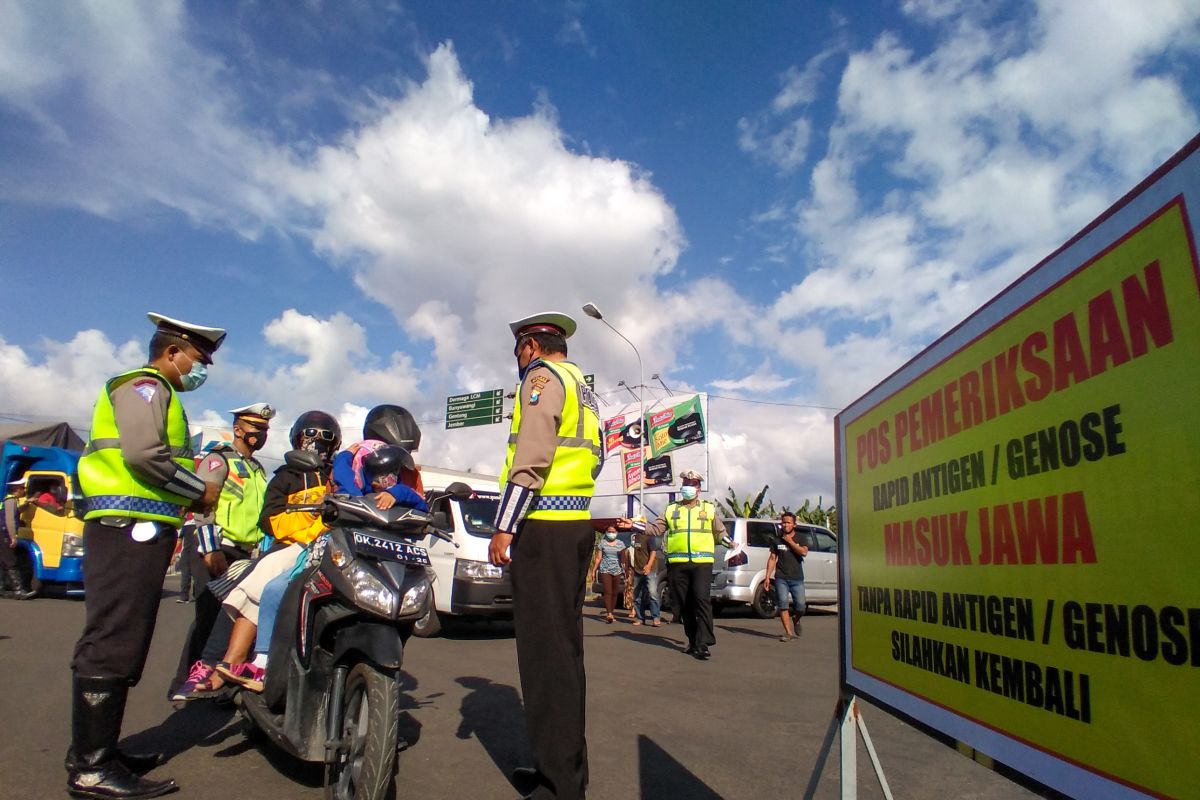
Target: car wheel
[{"x": 763, "y": 604}]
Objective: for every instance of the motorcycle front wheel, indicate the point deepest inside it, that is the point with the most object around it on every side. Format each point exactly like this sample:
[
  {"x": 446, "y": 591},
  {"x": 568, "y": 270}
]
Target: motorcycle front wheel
[{"x": 369, "y": 735}]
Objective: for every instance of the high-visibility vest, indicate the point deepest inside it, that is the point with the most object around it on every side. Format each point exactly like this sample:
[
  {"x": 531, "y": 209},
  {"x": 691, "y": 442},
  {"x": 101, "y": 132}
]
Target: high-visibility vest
[
  {"x": 241, "y": 501},
  {"x": 570, "y": 479},
  {"x": 110, "y": 488},
  {"x": 690, "y": 532}
]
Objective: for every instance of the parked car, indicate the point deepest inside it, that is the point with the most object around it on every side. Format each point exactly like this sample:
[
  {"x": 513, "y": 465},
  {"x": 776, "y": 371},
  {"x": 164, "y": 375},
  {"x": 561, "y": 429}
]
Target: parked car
[{"x": 741, "y": 579}]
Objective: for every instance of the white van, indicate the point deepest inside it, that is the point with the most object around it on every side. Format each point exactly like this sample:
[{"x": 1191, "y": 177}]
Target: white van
[
  {"x": 741, "y": 579},
  {"x": 464, "y": 582}
]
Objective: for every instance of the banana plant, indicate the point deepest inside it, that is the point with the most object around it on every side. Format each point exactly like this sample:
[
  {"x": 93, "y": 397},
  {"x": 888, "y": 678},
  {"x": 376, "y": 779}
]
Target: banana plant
[{"x": 747, "y": 507}]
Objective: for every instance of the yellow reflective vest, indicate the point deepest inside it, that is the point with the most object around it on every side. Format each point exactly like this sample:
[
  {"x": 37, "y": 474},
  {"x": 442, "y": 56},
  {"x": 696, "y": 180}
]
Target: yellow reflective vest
[
  {"x": 570, "y": 480},
  {"x": 241, "y": 500},
  {"x": 111, "y": 489},
  {"x": 690, "y": 532}
]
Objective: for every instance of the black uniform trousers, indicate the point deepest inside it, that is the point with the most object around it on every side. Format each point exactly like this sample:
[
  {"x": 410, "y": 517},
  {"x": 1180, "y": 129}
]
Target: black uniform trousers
[
  {"x": 549, "y": 566},
  {"x": 8, "y": 556},
  {"x": 124, "y": 583},
  {"x": 691, "y": 590}
]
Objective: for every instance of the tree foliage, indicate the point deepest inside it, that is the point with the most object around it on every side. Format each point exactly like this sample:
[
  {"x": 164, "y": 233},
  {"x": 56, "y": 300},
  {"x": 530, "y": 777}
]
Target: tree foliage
[
  {"x": 817, "y": 515},
  {"x": 756, "y": 506}
]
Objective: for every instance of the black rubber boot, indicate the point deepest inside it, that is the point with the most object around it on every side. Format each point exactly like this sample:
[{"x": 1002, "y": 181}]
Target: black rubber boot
[
  {"x": 17, "y": 587},
  {"x": 94, "y": 766}
]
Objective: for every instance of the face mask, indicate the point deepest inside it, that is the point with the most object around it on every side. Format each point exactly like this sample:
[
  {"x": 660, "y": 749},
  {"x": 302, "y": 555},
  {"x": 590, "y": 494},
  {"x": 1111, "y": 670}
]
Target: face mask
[
  {"x": 254, "y": 439},
  {"x": 195, "y": 377},
  {"x": 610, "y": 536},
  {"x": 689, "y": 492},
  {"x": 521, "y": 370}
]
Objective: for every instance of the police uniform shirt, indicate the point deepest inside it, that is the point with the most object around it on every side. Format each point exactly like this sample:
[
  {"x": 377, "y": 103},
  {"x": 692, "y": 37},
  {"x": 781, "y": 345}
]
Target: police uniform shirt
[
  {"x": 661, "y": 526},
  {"x": 214, "y": 468},
  {"x": 542, "y": 400},
  {"x": 140, "y": 409}
]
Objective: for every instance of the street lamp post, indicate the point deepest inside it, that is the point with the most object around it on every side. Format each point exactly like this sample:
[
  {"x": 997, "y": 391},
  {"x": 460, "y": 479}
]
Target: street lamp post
[{"x": 593, "y": 312}]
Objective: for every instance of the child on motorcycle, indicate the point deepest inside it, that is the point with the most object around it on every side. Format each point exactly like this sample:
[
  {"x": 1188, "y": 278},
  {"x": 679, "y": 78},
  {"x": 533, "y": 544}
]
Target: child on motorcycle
[{"x": 380, "y": 471}]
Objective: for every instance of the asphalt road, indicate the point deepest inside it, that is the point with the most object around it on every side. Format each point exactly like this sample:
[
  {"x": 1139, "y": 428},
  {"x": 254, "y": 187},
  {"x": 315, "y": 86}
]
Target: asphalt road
[{"x": 747, "y": 724}]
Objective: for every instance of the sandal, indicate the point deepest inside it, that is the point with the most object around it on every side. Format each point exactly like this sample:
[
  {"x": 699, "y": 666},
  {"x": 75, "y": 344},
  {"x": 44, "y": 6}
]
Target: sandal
[
  {"x": 637, "y": 622},
  {"x": 656, "y": 623},
  {"x": 609, "y": 619}
]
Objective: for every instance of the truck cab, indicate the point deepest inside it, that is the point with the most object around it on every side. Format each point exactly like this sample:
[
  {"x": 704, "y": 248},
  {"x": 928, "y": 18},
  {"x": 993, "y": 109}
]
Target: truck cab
[
  {"x": 49, "y": 534},
  {"x": 464, "y": 582}
]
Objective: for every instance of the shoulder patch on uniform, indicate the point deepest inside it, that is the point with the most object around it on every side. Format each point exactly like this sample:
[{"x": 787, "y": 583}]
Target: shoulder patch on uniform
[
  {"x": 214, "y": 464},
  {"x": 538, "y": 381},
  {"x": 146, "y": 388}
]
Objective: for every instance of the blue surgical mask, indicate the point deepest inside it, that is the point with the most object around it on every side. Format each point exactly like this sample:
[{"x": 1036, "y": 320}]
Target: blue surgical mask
[
  {"x": 689, "y": 492},
  {"x": 610, "y": 536},
  {"x": 195, "y": 377}
]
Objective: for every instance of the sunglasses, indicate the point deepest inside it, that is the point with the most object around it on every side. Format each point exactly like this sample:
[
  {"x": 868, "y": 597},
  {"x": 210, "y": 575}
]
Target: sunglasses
[{"x": 319, "y": 433}]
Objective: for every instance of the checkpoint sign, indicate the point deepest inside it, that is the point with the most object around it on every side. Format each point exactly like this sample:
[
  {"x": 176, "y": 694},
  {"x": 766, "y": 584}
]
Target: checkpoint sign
[
  {"x": 1020, "y": 513},
  {"x": 476, "y": 408}
]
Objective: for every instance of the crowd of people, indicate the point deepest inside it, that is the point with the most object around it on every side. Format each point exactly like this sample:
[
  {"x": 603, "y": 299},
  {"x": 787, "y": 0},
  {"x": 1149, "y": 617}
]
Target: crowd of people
[{"x": 249, "y": 535}]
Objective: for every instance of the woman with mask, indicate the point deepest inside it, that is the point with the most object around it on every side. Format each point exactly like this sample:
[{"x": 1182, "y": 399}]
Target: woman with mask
[{"x": 607, "y": 564}]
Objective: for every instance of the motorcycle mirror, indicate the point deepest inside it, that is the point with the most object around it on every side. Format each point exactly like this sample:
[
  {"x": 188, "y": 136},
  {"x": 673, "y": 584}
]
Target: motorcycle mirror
[
  {"x": 459, "y": 491},
  {"x": 303, "y": 459}
]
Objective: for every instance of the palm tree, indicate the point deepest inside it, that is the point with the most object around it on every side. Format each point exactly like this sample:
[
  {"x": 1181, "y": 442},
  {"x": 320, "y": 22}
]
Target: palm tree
[{"x": 747, "y": 507}]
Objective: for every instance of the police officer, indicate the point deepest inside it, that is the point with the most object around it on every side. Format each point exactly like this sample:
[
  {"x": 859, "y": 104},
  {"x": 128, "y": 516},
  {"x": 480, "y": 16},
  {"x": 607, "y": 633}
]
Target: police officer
[
  {"x": 544, "y": 529},
  {"x": 138, "y": 483},
  {"x": 10, "y": 571},
  {"x": 692, "y": 528},
  {"x": 228, "y": 535}
]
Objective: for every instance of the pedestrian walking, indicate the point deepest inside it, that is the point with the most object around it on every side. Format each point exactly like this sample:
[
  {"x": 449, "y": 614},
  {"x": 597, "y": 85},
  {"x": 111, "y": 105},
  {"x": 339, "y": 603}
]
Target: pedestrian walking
[
  {"x": 607, "y": 566},
  {"x": 544, "y": 531},
  {"x": 785, "y": 567},
  {"x": 644, "y": 566},
  {"x": 138, "y": 482}
]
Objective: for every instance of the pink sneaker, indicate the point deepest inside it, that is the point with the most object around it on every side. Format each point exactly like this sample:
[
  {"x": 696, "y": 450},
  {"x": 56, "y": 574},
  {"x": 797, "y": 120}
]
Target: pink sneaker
[
  {"x": 198, "y": 684},
  {"x": 247, "y": 676}
]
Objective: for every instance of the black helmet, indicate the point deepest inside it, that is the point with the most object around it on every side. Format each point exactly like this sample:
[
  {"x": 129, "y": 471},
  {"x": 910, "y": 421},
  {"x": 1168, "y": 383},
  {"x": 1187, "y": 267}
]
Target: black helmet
[
  {"x": 319, "y": 429},
  {"x": 394, "y": 425},
  {"x": 387, "y": 460}
]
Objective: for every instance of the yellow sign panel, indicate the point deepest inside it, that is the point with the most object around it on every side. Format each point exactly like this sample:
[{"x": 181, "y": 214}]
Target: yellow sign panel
[{"x": 1024, "y": 516}]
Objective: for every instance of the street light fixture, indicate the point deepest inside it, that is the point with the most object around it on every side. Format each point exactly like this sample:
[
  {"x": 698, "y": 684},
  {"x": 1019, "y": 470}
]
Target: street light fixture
[{"x": 593, "y": 312}]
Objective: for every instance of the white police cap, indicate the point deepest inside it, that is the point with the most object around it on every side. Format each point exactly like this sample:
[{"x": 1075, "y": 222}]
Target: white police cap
[
  {"x": 204, "y": 339},
  {"x": 545, "y": 322},
  {"x": 255, "y": 412}
]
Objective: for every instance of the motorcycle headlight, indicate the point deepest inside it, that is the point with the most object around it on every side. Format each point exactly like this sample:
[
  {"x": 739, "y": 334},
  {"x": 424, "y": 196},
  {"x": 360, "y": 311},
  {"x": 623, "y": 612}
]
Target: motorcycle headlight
[
  {"x": 415, "y": 599},
  {"x": 72, "y": 546},
  {"x": 369, "y": 591},
  {"x": 477, "y": 570}
]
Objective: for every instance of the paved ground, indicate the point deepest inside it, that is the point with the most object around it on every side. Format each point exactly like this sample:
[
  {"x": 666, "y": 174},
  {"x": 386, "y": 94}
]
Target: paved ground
[{"x": 747, "y": 724}]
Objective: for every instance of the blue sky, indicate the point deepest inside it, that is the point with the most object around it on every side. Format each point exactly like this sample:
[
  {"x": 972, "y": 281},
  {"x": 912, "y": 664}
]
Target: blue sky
[{"x": 780, "y": 203}]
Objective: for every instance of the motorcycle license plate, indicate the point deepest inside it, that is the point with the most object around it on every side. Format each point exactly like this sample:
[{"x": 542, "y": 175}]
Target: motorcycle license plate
[{"x": 390, "y": 549}]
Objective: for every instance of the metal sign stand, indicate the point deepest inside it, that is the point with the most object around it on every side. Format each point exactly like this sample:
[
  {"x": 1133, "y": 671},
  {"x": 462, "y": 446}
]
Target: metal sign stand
[{"x": 846, "y": 718}]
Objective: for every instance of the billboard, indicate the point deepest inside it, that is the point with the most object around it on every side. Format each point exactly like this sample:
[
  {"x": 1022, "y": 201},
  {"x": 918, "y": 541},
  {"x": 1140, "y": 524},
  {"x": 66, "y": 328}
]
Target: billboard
[{"x": 1020, "y": 513}]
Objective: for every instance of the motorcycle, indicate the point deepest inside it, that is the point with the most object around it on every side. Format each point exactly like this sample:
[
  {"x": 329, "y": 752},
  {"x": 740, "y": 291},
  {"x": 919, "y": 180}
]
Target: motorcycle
[{"x": 331, "y": 694}]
